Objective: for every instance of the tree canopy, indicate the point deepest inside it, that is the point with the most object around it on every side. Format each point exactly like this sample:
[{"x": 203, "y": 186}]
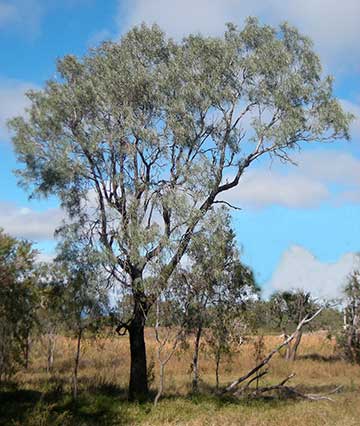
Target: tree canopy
[{"x": 140, "y": 138}]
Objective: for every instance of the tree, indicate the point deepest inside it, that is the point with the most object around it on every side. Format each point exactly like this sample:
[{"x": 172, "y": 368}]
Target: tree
[
  {"x": 214, "y": 285},
  {"x": 170, "y": 330},
  {"x": 226, "y": 334},
  {"x": 18, "y": 303},
  {"x": 249, "y": 376},
  {"x": 85, "y": 298},
  {"x": 351, "y": 334},
  {"x": 289, "y": 308},
  {"x": 51, "y": 283},
  {"x": 140, "y": 139}
]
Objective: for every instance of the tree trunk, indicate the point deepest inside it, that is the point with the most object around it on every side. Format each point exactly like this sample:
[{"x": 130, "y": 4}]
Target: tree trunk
[
  {"x": 138, "y": 386},
  {"x": 76, "y": 366},
  {"x": 161, "y": 383},
  {"x": 50, "y": 352},
  {"x": 295, "y": 346},
  {"x": 288, "y": 348},
  {"x": 27, "y": 351},
  {"x": 218, "y": 357},
  {"x": 195, "y": 381}
]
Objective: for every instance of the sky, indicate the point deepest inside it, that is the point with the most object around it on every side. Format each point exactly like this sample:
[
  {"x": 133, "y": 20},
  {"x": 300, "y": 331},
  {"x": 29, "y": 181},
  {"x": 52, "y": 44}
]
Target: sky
[{"x": 299, "y": 225}]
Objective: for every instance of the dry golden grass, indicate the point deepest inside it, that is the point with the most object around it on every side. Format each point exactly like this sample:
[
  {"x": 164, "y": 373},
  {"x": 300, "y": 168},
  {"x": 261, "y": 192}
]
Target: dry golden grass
[{"x": 104, "y": 373}]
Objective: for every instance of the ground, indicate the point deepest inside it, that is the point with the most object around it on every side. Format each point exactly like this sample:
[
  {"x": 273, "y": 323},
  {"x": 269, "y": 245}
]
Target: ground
[{"x": 36, "y": 398}]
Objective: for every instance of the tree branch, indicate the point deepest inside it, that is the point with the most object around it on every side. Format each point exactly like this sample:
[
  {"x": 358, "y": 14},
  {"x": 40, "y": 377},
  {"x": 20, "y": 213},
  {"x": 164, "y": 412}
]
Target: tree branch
[{"x": 266, "y": 360}]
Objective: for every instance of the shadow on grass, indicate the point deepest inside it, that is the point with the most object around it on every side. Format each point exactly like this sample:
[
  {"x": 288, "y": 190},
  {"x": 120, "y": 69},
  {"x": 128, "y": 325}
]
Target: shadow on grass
[
  {"x": 210, "y": 395},
  {"x": 107, "y": 405},
  {"x": 318, "y": 357},
  {"x": 321, "y": 389},
  {"x": 108, "y": 389},
  {"x": 101, "y": 406},
  {"x": 16, "y": 403}
]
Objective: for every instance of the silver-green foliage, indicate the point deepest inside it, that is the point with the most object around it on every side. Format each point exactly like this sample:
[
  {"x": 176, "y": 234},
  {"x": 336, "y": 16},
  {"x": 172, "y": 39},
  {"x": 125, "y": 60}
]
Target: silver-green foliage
[
  {"x": 211, "y": 290},
  {"x": 140, "y": 138}
]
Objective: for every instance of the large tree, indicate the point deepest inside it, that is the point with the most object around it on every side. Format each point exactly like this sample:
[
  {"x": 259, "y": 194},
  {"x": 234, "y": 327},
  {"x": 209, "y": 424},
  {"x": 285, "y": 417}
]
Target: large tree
[{"x": 139, "y": 139}]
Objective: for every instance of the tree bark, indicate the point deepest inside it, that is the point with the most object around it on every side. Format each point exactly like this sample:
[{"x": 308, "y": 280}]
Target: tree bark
[
  {"x": 50, "y": 351},
  {"x": 138, "y": 386},
  {"x": 288, "y": 347},
  {"x": 161, "y": 383},
  {"x": 27, "y": 351},
  {"x": 217, "y": 368},
  {"x": 195, "y": 381},
  {"x": 76, "y": 366},
  {"x": 295, "y": 345}
]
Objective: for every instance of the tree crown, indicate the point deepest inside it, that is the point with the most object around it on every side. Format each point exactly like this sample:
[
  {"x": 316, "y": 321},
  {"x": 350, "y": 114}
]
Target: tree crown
[{"x": 139, "y": 139}]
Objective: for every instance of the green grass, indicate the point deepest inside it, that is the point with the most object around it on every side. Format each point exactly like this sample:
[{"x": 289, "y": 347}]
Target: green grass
[
  {"x": 41, "y": 399},
  {"x": 21, "y": 407}
]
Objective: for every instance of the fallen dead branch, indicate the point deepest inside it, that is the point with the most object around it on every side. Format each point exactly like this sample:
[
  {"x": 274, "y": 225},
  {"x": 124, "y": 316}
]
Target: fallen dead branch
[
  {"x": 284, "y": 389},
  {"x": 266, "y": 360},
  {"x": 281, "y": 387},
  {"x": 316, "y": 397},
  {"x": 292, "y": 392},
  {"x": 246, "y": 387}
]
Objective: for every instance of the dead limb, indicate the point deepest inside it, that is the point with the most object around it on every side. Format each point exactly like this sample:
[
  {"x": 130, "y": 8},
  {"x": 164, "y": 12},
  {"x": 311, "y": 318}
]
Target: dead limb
[
  {"x": 267, "y": 359},
  {"x": 309, "y": 396},
  {"x": 316, "y": 397},
  {"x": 246, "y": 387},
  {"x": 287, "y": 390},
  {"x": 274, "y": 387}
]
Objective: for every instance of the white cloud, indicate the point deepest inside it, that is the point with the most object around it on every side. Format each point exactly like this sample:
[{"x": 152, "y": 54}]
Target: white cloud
[
  {"x": 26, "y": 16},
  {"x": 13, "y": 102},
  {"x": 330, "y": 166},
  {"x": 299, "y": 269},
  {"x": 261, "y": 188},
  {"x": 333, "y": 25},
  {"x": 178, "y": 18},
  {"x": 23, "y": 222},
  {"x": 308, "y": 185}
]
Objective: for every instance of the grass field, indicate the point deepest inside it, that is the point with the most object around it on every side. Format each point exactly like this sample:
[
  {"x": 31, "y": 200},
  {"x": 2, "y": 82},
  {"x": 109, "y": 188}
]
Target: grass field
[{"x": 36, "y": 398}]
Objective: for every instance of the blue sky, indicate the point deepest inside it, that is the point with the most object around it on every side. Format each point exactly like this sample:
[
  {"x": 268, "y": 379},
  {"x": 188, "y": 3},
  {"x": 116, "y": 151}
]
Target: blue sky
[{"x": 299, "y": 225}]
